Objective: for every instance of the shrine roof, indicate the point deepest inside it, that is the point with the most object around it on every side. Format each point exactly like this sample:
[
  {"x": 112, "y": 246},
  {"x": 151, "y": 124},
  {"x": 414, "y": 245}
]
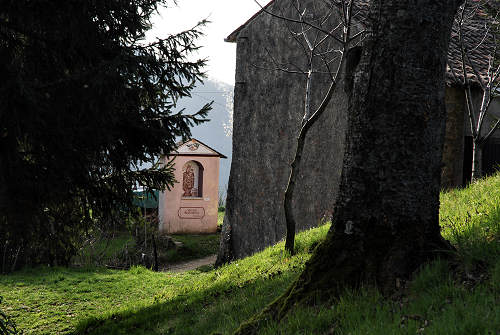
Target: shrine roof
[{"x": 194, "y": 147}]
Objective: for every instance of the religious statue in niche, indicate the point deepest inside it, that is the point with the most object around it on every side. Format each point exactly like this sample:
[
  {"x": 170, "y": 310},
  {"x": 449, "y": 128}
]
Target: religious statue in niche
[{"x": 188, "y": 181}]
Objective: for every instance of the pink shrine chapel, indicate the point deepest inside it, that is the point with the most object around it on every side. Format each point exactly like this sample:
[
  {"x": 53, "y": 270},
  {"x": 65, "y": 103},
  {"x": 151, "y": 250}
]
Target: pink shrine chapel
[{"x": 191, "y": 204}]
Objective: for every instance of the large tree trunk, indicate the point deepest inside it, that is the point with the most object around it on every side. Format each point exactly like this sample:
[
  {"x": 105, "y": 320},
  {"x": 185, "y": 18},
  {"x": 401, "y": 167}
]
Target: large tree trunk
[
  {"x": 385, "y": 224},
  {"x": 477, "y": 160},
  {"x": 4, "y": 156},
  {"x": 3, "y": 188}
]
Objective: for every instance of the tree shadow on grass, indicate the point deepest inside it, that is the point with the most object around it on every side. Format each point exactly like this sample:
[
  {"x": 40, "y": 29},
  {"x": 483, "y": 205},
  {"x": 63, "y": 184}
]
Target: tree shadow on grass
[{"x": 220, "y": 309}]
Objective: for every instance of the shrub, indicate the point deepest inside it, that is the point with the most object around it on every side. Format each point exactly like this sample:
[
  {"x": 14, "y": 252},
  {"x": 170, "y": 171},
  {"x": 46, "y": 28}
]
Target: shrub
[{"x": 7, "y": 325}]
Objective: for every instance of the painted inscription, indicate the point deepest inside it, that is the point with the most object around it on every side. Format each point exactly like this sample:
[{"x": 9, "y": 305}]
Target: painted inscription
[{"x": 191, "y": 212}]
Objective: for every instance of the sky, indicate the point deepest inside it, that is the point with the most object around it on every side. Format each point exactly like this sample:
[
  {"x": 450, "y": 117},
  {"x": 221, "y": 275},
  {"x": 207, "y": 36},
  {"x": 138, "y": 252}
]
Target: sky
[{"x": 225, "y": 17}]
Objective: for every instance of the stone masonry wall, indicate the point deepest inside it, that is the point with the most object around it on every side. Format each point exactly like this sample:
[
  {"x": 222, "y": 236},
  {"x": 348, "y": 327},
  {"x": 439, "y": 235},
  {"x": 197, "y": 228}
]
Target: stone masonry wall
[
  {"x": 453, "y": 150},
  {"x": 268, "y": 108}
]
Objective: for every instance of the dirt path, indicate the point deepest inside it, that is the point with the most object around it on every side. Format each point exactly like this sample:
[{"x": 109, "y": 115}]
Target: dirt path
[{"x": 191, "y": 265}]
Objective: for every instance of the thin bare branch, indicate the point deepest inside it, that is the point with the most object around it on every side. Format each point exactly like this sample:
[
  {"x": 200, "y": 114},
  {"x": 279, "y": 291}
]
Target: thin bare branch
[
  {"x": 453, "y": 73},
  {"x": 280, "y": 66},
  {"x": 278, "y": 69},
  {"x": 475, "y": 70},
  {"x": 495, "y": 76},
  {"x": 265, "y": 10},
  {"x": 485, "y": 103},
  {"x": 468, "y": 93},
  {"x": 296, "y": 37},
  {"x": 358, "y": 34},
  {"x": 492, "y": 130},
  {"x": 319, "y": 111}
]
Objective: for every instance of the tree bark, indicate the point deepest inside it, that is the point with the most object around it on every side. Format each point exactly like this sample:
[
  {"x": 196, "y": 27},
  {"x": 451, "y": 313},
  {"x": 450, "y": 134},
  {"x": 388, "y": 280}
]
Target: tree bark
[
  {"x": 294, "y": 170},
  {"x": 155, "y": 253},
  {"x": 385, "y": 223},
  {"x": 295, "y": 166},
  {"x": 4, "y": 189},
  {"x": 477, "y": 160}
]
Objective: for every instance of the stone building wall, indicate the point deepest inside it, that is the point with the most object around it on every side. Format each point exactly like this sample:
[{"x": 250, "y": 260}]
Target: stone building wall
[
  {"x": 268, "y": 108},
  {"x": 458, "y": 129},
  {"x": 453, "y": 150},
  {"x": 489, "y": 120}
]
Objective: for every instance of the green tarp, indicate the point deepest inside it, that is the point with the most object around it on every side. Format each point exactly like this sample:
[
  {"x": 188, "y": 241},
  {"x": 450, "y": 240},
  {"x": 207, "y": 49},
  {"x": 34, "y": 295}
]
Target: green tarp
[{"x": 146, "y": 199}]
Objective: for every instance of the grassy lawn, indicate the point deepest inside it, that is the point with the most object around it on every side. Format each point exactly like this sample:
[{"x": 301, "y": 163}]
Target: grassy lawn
[
  {"x": 220, "y": 218},
  {"x": 463, "y": 300},
  {"x": 92, "y": 300},
  {"x": 103, "y": 251},
  {"x": 194, "y": 246}
]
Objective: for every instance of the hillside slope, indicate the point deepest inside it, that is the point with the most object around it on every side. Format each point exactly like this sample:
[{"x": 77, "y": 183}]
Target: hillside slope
[{"x": 460, "y": 296}]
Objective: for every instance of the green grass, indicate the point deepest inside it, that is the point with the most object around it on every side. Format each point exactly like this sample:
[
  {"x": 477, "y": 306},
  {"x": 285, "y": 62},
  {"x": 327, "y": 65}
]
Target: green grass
[
  {"x": 194, "y": 246},
  {"x": 465, "y": 300},
  {"x": 470, "y": 219},
  {"x": 103, "y": 250},
  {"x": 434, "y": 304},
  {"x": 45, "y": 300},
  {"x": 220, "y": 218}
]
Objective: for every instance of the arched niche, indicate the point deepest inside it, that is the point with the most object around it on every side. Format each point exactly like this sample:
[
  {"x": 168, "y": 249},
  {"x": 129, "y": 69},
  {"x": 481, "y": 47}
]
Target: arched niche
[{"x": 192, "y": 180}]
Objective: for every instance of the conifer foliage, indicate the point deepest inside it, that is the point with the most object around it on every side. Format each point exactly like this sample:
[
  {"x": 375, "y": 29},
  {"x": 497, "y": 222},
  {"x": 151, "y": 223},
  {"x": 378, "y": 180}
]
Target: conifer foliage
[{"x": 84, "y": 101}]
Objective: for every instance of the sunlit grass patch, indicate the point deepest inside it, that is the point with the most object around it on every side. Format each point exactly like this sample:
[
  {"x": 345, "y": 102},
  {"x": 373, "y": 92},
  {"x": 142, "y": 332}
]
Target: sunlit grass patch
[
  {"x": 457, "y": 297},
  {"x": 470, "y": 219},
  {"x": 220, "y": 218}
]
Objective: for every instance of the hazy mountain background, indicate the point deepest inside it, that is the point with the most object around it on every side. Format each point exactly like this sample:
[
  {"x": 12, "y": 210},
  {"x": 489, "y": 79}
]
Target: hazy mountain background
[{"x": 216, "y": 133}]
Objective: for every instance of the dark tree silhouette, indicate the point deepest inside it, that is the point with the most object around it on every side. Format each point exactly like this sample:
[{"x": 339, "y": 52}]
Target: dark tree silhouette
[{"x": 84, "y": 102}]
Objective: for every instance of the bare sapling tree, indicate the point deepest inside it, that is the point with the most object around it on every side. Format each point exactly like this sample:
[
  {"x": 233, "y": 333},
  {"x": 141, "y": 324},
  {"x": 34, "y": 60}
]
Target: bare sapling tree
[
  {"x": 473, "y": 18},
  {"x": 324, "y": 47}
]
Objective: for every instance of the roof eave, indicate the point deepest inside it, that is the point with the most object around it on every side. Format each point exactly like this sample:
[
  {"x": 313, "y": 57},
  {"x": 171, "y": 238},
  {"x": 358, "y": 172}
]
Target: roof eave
[
  {"x": 175, "y": 153},
  {"x": 233, "y": 37}
]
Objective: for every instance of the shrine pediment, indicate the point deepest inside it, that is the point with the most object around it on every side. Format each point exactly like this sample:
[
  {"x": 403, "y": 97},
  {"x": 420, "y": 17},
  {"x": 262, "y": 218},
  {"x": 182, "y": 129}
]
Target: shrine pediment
[{"x": 195, "y": 148}]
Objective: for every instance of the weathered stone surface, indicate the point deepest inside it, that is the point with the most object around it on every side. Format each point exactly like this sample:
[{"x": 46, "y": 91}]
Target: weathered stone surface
[
  {"x": 267, "y": 113},
  {"x": 268, "y": 108},
  {"x": 453, "y": 150}
]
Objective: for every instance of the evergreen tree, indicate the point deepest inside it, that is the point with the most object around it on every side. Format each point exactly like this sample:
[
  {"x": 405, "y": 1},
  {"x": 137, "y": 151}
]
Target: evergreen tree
[{"x": 84, "y": 101}]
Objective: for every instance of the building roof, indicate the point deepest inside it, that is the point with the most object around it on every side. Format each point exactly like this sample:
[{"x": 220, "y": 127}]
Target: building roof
[
  {"x": 478, "y": 40},
  {"x": 234, "y": 35},
  {"x": 475, "y": 31},
  {"x": 194, "y": 147}
]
